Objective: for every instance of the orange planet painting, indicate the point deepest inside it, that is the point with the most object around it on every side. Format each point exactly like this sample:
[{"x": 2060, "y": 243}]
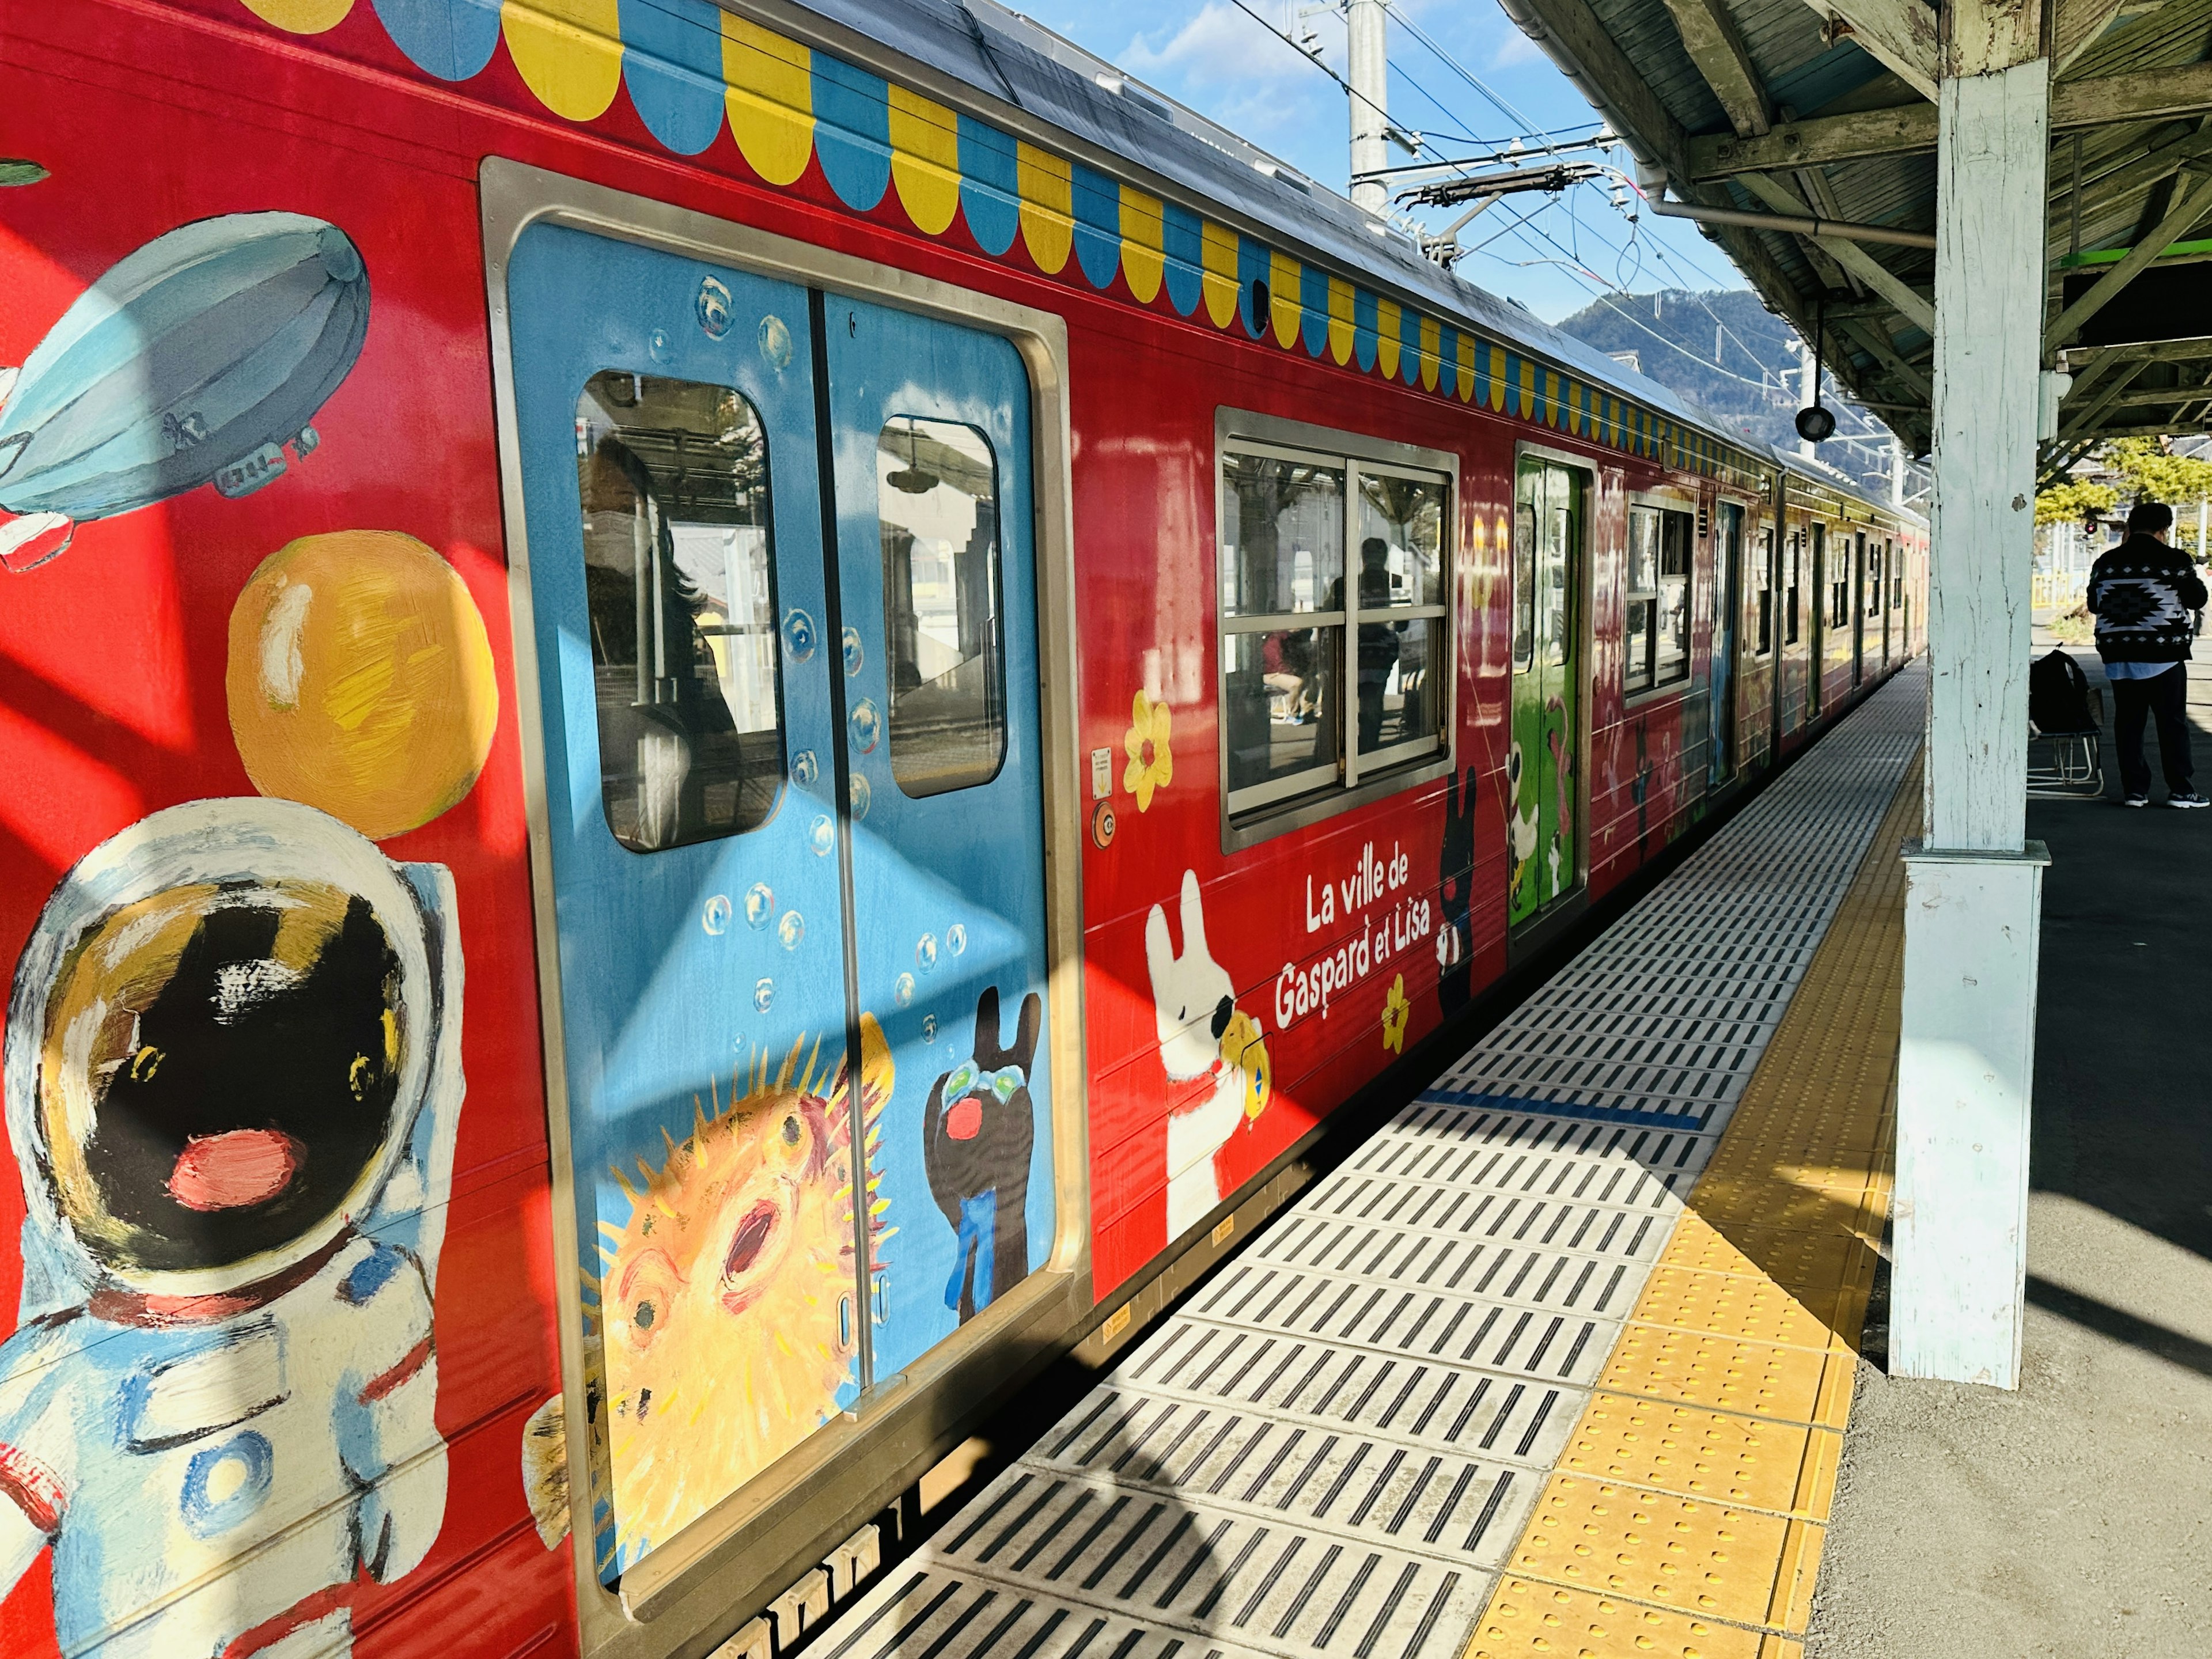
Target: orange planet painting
[{"x": 361, "y": 680}]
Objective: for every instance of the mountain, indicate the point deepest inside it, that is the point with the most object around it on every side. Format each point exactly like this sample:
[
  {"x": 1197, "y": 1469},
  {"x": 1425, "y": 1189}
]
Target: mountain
[{"x": 1724, "y": 351}]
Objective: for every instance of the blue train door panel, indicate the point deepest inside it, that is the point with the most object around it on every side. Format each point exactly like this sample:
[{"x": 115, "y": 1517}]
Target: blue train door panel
[
  {"x": 936, "y": 580},
  {"x": 666, "y": 413},
  {"x": 793, "y": 809}
]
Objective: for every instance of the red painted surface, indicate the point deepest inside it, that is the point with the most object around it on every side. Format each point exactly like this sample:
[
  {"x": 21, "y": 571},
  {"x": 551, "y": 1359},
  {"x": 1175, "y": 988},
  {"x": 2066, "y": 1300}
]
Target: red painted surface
[{"x": 112, "y": 659}]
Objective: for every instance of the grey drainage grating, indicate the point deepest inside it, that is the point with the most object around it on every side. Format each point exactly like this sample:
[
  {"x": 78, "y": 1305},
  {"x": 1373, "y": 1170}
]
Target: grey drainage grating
[{"x": 1329, "y": 1451}]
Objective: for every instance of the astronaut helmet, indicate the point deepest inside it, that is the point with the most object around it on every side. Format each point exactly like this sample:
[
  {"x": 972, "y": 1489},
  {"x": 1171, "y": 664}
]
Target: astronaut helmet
[{"x": 218, "y": 1039}]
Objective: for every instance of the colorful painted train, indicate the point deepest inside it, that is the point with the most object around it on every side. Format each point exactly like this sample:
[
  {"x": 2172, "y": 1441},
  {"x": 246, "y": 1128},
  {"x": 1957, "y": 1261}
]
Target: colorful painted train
[{"x": 717, "y": 717}]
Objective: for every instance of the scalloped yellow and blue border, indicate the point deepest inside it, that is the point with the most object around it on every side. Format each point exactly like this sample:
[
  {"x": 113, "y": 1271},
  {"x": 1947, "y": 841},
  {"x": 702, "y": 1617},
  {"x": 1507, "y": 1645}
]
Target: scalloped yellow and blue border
[{"x": 692, "y": 69}]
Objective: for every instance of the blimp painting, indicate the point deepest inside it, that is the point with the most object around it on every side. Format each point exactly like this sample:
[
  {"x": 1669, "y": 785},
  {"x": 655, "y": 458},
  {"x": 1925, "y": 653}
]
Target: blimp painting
[{"x": 200, "y": 358}]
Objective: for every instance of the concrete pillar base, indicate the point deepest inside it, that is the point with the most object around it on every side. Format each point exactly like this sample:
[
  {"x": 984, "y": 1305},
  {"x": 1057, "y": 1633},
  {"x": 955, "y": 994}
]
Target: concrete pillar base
[{"x": 1965, "y": 1079}]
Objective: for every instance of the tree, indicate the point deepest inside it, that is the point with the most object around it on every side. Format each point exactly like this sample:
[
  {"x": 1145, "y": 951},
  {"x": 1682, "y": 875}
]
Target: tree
[
  {"x": 2072, "y": 500},
  {"x": 2151, "y": 473}
]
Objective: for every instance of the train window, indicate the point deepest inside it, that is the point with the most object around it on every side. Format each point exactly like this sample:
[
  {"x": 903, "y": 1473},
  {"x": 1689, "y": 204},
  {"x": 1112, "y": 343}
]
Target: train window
[
  {"x": 1762, "y": 578},
  {"x": 1642, "y": 595},
  {"x": 1792, "y": 604},
  {"x": 672, "y": 476},
  {"x": 1524, "y": 586},
  {"x": 1398, "y": 599},
  {"x": 1334, "y": 651},
  {"x": 1282, "y": 599},
  {"x": 937, "y": 497},
  {"x": 1871, "y": 596},
  {"x": 1657, "y": 621}
]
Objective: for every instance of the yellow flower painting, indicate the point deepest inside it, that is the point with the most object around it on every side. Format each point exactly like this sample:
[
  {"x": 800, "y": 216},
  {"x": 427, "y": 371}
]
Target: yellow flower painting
[
  {"x": 1151, "y": 763},
  {"x": 1396, "y": 1010}
]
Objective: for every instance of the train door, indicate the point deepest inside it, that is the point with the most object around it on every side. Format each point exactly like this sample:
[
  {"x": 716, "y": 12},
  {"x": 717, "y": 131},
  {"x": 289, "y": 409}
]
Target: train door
[
  {"x": 1818, "y": 655},
  {"x": 929, "y": 426},
  {"x": 767, "y": 781},
  {"x": 1885, "y": 580},
  {"x": 1549, "y": 504},
  {"x": 1728, "y": 601},
  {"x": 1859, "y": 575}
]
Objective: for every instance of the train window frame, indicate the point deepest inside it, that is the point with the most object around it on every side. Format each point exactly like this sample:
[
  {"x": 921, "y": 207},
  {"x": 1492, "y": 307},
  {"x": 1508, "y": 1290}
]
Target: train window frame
[
  {"x": 917, "y": 782},
  {"x": 1793, "y": 614},
  {"x": 1260, "y": 812},
  {"x": 1676, "y": 517},
  {"x": 1765, "y": 588}
]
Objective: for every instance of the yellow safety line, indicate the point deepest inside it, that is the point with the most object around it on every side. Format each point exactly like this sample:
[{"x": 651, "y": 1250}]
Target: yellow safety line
[{"x": 1686, "y": 1515}]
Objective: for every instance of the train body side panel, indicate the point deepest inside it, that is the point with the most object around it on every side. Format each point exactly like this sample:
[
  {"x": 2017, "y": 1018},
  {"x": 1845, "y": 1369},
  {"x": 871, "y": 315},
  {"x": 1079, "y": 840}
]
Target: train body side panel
[{"x": 261, "y": 725}]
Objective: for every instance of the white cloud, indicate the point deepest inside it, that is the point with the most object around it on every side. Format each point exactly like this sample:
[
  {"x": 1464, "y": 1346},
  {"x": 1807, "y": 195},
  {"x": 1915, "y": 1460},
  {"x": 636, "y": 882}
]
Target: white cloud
[
  {"x": 1514, "y": 48},
  {"x": 1223, "y": 45}
]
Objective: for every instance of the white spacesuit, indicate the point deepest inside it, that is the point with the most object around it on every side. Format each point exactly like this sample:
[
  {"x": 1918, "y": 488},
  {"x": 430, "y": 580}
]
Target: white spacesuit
[{"x": 234, "y": 1074}]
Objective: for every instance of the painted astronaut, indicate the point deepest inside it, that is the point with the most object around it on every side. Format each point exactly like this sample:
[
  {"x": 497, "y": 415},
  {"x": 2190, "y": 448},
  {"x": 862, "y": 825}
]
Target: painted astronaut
[{"x": 233, "y": 1070}]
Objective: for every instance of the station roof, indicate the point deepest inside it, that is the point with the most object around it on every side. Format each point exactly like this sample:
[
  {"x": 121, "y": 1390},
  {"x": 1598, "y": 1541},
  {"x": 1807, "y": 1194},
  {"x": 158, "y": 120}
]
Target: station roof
[{"x": 1826, "y": 111}]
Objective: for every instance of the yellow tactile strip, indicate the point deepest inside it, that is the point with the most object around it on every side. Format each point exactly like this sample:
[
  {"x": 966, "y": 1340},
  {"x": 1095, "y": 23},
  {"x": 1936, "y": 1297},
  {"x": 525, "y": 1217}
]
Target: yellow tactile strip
[{"x": 1687, "y": 1516}]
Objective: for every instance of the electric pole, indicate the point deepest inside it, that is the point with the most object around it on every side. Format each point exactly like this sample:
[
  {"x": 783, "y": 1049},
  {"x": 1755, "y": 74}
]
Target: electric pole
[
  {"x": 1367, "y": 71},
  {"x": 1897, "y": 472}
]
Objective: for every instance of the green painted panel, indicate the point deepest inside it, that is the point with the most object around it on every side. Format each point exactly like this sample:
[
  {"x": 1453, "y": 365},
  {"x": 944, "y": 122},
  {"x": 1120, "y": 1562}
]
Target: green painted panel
[{"x": 1543, "y": 846}]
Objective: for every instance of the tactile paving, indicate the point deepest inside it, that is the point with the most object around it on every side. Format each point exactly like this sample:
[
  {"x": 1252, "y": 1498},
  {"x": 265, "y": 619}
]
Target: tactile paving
[
  {"x": 1731, "y": 1383},
  {"x": 1748, "y": 1462},
  {"x": 1339, "y": 1444},
  {"x": 1739, "y": 1565},
  {"x": 1530, "y": 1619}
]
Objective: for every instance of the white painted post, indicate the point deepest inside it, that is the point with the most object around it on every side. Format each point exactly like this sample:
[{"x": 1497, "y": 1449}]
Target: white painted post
[
  {"x": 1965, "y": 1063},
  {"x": 1367, "y": 71}
]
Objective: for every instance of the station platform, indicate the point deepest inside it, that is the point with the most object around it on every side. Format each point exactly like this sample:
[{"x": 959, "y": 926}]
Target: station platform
[
  {"x": 1558, "y": 1361},
  {"x": 2074, "y": 1517}
]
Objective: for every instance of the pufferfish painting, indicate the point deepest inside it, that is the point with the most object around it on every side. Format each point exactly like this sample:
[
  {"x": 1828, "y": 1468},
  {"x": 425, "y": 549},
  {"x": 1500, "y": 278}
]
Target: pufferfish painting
[{"x": 722, "y": 1331}]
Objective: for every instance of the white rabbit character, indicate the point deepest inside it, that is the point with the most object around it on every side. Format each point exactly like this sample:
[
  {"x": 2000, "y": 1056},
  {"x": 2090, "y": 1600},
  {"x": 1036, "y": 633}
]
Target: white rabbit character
[{"x": 1202, "y": 1033}]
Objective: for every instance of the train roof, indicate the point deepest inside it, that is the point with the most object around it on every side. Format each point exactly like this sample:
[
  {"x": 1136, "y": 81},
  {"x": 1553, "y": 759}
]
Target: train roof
[{"x": 1027, "y": 76}]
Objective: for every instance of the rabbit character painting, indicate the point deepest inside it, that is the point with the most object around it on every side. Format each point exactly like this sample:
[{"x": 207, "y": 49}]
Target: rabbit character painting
[
  {"x": 233, "y": 1077},
  {"x": 1203, "y": 1035},
  {"x": 978, "y": 1132}
]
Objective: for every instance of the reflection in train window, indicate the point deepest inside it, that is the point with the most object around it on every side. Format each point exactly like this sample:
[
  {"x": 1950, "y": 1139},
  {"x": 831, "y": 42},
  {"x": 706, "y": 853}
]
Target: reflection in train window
[
  {"x": 1762, "y": 577},
  {"x": 937, "y": 496},
  {"x": 1657, "y": 627},
  {"x": 1334, "y": 643},
  {"x": 1524, "y": 585},
  {"x": 680, "y": 585}
]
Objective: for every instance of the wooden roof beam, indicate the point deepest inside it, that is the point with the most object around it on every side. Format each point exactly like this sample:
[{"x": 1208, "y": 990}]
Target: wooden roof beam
[
  {"x": 2077, "y": 25},
  {"x": 1908, "y": 301},
  {"x": 1871, "y": 336},
  {"x": 2160, "y": 396},
  {"x": 2107, "y": 100},
  {"x": 1899, "y": 34},
  {"x": 1710, "y": 36},
  {"x": 2154, "y": 428},
  {"x": 2081, "y": 359}
]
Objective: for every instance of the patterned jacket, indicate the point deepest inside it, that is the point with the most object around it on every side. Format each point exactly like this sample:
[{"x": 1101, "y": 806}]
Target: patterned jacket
[{"x": 2142, "y": 592}]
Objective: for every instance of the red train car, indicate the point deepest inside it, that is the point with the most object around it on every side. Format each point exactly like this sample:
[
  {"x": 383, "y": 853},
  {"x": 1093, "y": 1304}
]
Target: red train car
[{"x": 721, "y": 726}]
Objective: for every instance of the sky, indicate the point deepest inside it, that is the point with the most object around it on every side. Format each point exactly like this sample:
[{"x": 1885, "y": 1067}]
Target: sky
[{"x": 1462, "y": 75}]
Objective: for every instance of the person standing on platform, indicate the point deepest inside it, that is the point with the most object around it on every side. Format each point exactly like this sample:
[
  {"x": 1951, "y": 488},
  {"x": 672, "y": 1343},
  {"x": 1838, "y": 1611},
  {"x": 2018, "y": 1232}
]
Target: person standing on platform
[{"x": 2142, "y": 593}]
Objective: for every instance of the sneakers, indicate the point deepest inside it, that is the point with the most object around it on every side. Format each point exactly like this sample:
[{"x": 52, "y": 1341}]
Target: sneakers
[
  {"x": 2136, "y": 800},
  {"x": 2187, "y": 798}
]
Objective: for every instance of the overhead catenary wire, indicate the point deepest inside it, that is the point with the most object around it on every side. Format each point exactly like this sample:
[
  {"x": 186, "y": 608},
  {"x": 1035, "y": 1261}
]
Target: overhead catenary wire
[{"x": 1522, "y": 227}]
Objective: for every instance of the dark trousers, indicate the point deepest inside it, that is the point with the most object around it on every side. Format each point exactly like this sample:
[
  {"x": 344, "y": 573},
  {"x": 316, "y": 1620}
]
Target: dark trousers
[{"x": 2164, "y": 696}]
